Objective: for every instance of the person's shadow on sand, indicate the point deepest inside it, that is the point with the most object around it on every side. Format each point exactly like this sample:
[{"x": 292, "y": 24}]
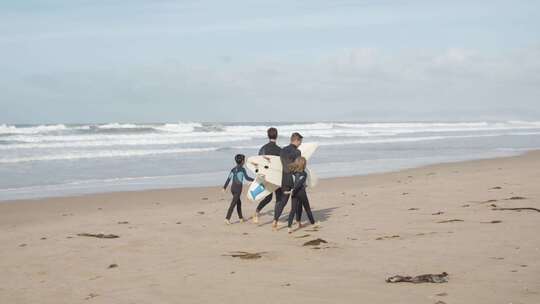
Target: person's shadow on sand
[{"x": 320, "y": 215}]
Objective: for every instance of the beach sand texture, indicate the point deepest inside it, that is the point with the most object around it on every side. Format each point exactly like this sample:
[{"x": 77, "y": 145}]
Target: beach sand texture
[{"x": 173, "y": 247}]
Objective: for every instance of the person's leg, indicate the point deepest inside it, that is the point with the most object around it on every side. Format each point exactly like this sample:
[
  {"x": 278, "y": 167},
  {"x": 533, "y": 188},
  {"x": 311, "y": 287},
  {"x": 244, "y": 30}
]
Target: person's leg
[
  {"x": 239, "y": 208},
  {"x": 299, "y": 213},
  {"x": 280, "y": 205},
  {"x": 278, "y": 193},
  {"x": 294, "y": 207},
  {"x": 307, "y": 207},
  {"x": 264, "y": 202},
  {"x": 231, "y": 208}
]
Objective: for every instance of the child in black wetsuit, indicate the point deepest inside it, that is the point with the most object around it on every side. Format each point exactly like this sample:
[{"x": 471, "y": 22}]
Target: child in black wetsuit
[
  {"x": 299, "y": 195},
  {"x": 237, "y": 175}
]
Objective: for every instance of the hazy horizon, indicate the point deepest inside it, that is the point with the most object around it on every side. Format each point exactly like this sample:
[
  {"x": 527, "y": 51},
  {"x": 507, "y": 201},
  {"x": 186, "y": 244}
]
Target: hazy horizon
[{"x": 304, "y": 61}]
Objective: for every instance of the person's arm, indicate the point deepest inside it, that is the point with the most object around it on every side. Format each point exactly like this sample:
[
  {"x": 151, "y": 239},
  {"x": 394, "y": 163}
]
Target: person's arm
[
  {"x": 248, "y": 178},
  {"x": 228, "y": 180},
  {"x": 261, "y": 151}
]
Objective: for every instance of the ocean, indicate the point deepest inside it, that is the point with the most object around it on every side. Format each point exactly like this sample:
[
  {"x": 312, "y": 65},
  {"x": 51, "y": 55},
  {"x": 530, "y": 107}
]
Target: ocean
[{"x": 70, "y": 159}]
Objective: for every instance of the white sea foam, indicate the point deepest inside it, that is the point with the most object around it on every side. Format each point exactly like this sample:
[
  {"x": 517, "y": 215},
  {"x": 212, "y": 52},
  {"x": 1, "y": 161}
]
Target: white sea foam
[
  {"x": 6, "y": 129},
  {"x": 116, "y": 125}
]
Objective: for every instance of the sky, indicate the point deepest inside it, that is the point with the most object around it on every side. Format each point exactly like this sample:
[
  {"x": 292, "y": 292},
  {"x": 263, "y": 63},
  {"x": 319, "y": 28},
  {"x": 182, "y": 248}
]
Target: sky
[{"x": 75, "y": 61}]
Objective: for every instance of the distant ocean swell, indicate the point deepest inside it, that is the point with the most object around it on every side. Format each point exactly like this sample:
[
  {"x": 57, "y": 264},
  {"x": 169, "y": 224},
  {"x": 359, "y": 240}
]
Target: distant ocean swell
[{"x": 26, "y": 143}]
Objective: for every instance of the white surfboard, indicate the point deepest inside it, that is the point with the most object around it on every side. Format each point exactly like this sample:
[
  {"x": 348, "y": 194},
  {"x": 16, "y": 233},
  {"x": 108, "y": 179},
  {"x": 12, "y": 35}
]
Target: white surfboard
[
  {"x": 268, "y": 171},
  {"x": 268, "y": 168}
]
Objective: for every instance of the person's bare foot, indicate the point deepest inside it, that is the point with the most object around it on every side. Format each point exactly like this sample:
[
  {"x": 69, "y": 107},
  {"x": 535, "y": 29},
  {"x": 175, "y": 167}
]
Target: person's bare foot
[
  {"x": 299, "y": 224},
  {"x": 227, "y": 222},
  {"x": 275, "y": 225},
  {"x": 242, "y": 220},
  {"x": 289, "y": 230},
  {"x": 256, "y": 218}
]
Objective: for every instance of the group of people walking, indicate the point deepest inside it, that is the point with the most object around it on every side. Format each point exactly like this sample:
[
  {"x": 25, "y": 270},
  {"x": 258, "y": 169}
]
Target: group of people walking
[{"x": 293, "y": 182}]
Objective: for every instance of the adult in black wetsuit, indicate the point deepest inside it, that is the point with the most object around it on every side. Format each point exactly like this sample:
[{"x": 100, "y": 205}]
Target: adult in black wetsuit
[
  {"x": 271, "y": 148},
  {"x": 288, "y": 155},
  {"x": 237, "y": 176}
]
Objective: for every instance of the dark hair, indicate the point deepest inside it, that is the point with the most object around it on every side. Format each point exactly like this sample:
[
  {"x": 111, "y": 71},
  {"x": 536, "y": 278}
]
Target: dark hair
[
  {"x": 239, "y": 158},
  {"x": 272, "y": 133},
  {"x": 296, "y": 136}
]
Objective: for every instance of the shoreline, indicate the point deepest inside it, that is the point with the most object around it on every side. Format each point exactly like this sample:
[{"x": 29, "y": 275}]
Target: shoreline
[
  {"x": 172, "y": 188},
  {"x": 172, "y": 245}
]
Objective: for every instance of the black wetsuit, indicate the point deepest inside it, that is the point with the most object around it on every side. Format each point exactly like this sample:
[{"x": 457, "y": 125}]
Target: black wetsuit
[
  {"x": 270, "y": 148},
  {"x": 237, "y": 176},
  {"x": 300, "y": 199},
  {"x": 288, "y": 155}
]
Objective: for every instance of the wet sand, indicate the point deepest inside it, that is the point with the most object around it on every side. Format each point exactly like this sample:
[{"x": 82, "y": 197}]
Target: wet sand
[{"x": 171, "y": 246}]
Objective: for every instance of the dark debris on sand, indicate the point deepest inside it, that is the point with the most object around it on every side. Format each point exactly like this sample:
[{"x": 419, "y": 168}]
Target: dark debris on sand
[
  {"x": 315, "y": 242},
  {"x": 514, "y": 198},
  {"x": 424, "y": 278},
  {"x": 387, "y": 237},
  {"x": 517, "y": 209},
  {"x": 246, "y": 255},
  {"x": 91, "y": 296},
  {"x": 450, "y": 221},
  {"x": 112, "y": 266},
  {"x": 99, "y": 235}
]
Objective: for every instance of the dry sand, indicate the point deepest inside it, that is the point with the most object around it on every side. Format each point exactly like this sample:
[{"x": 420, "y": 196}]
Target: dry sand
[{"x": 175, "y": 247}]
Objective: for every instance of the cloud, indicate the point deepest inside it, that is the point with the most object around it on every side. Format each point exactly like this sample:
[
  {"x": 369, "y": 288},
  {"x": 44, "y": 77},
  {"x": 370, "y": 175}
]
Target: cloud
[{"x": 368, "y": 81}]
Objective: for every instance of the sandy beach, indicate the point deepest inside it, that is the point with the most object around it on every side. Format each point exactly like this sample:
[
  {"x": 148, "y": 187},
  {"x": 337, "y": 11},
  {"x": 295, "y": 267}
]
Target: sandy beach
[{"x": 173, "y": 247}]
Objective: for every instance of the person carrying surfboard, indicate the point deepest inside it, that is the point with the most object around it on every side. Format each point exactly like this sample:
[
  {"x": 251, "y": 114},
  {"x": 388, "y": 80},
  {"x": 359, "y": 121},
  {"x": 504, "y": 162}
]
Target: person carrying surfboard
[
  {"x": 288, "y": 155},
  {"x": 237, "y": 176},
  {"x": 271, "y": 148}
]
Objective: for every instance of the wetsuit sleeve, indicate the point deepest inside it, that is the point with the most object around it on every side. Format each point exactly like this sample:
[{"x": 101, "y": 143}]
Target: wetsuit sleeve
[
  {"x": 248, "y": 178},
  {"x": 228, "y": 180},
  {"x": 261, "y": 151},
  {"x": 299, "y": 182}
]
